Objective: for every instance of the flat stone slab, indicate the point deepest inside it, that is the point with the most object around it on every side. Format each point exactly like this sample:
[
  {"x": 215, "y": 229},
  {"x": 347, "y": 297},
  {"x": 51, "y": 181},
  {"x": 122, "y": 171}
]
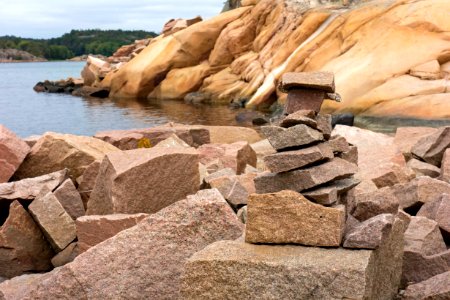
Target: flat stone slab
[
  {"x": 289, "y": 218},
  {"x": 331, "y": 193},
  {"x": 298, "y": 118},
  {"x": 323, "y": 81},
  {"x": 300, "y": 135},
  {"x": 301, "y": 99},
  {"x": 237, "y": 270},
  {"x": 290, "y": 160},
  {"x": 300, "y": 180}
]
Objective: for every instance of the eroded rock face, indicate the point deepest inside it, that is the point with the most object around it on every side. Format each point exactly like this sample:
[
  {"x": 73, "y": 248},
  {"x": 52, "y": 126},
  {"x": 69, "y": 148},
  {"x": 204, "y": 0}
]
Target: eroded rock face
[
  {"x": 294, "y": 272},
  {"x": 289, "y": 218},
  {"x": 54, "y": 152},
  {"x": 138, "y": 262},
  {"x": 144, "y": 180},
  {"x": 23, "y": 248},
  {"x": 13, "y": 151}
]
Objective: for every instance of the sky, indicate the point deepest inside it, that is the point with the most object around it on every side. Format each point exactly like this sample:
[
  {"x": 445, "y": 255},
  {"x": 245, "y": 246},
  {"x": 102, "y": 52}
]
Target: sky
[{"x": 52, "y": 18}]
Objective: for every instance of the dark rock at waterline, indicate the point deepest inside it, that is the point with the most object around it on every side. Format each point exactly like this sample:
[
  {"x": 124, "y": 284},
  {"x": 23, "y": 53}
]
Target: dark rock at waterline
[
  {"x": 343, "y": 119},
  {"x": 88, "y": 91},
  {"x": 71, "y": 86},
  {"x": 254, "y": 117}
]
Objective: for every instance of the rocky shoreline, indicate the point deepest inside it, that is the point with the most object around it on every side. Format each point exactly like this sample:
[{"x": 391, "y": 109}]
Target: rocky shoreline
[{"x": 202, "y": 212}]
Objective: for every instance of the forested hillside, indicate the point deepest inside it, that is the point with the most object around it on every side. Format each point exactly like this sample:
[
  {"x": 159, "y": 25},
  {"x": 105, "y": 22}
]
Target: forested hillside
[{"x": 75, "y": 43}]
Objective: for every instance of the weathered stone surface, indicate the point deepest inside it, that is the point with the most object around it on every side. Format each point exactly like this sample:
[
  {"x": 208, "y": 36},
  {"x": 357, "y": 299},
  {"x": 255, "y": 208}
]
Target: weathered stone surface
[
  {"x": 298, "y": 118},
  {"x": 173, "y": 141},
  {"x": 435, "y": 288},
  {"x": 423, "y": 244},
  {"x": 13, "y": 151},
  {"x": 18, "y": 287},
  {"x": 407, "y": 137},
  {"x": 92, "y": 230},
  {"x": 22, "y": 245},
  {"x": 419, "y": 191},
  {"x": 351, "y": 155},
  {"x": 439, "y": 211},
  {"x": 310, "y": 80},
  {"x": 430, "y": 70},
  {"x": 66, "y": 256},
  {"x": 144, "y": 180},
  {"x": 235, "y": 189},
  {"x": 134, "y": 138},
  {"x": 423, "y": 169},
  {"x": 237, "y": 270},
  {"x": 287, "y": 217},
  {"x": 54, "y": 152},
  {"x": 370, "y": 233},
  {"x": 431, "y": 148},
  {"x": 236, "y": 156},
  {"x": 393, "y": 174},
  {"x": 56, "y": 224},
  {"x": 330, "y": 193},
  {"x": 339, "y": 144},
  {"x": 300, "y": 180},
  {"x": 221, "y": 173},
  {"x": 301, "y": 99},
  {"x": 371, "y": 204},
  {"x": 445, "y": 166},
  {"x": 86, "y": 182},
  {"x": 296, "y": 136},
  {"x": 70, "y": 199},
  {"x": 147, "y": 260},
  {"x": 324, "y": 125},
  {"x": 232, "y": 134},
  {"x": 290, "y": 160},
  {"x": 28, "y": 189}
]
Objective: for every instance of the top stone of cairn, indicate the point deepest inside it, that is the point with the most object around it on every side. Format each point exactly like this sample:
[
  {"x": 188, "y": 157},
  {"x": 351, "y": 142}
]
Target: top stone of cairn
[{"x": 323, "y": 81}]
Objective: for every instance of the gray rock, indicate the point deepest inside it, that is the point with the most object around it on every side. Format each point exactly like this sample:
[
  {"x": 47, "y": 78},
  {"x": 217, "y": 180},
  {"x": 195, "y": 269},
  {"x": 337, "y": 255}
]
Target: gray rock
[
  {"x": 300, "y": 180},
  {"x": 296, "y": 136},
  {"x": 370, "y": 233}
]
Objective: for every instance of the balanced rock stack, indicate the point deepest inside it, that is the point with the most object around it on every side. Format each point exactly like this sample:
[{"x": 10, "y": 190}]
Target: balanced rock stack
[{"x": 292, "y": 246}]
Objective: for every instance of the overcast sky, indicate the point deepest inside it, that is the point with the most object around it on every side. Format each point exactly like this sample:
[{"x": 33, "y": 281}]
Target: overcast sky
[{"x": 52, "y": 18}]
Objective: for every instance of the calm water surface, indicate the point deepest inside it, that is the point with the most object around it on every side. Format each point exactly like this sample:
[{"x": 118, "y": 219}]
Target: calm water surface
[{"x": 29, "y": 113}]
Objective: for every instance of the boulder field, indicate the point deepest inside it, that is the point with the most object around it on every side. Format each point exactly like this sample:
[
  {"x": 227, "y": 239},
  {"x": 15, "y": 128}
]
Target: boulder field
[
  {"x": 301, "y": 212},
  {"x": 390, "y": 58}
]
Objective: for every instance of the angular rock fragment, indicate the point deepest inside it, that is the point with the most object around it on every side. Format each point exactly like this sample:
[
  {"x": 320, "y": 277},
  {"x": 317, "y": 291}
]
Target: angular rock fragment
[
  {"x": 92, "y": 230},
  {"x": 324, "y": 125},
  {"x": 86, "y": 182},
  {"x": 290, "y": 160},
  {"x": 393, "y": 174},
  {"x": 54, "y": 152},
  {"x": 300, "y": 180},
  {"x": 144, "y": 180},
  {"x": 13, "y": 151},
  {"x": 439, "y": 211},
  {"x": 339, "y": 144},
  {"x": 423, "y": 169},
  {"x": 329, "y": 194},
  {"x": 28, "y": 189},
  {"x": 445, "y": 167},
  {"x": 431, "y": 148},
  {"x": 56, "y": 224},
  {"x": 296, "y": 136},
  {"x": 146, "y": 261},
  {"x": 371, "y": 204},
  {"x": 173, "y": 141},
  {"x": 236, "y": 156},
  {"x": 247, "y": 271},
  {"x": 23, "y": 248},
  {"x": 407, "y": 137},
  {"x": 235, "y": 189},
  {"x": 435, "y": 288},
  {"x": 289, "y": 218},
  {"x": 66, "y": 256},
  {"x": 301, "y": 99},
  {"x": 370, "y": 233},
  {"x": 70, "y": 199},
  {"x": 351, "y": 155},
  {"x": 305, "y": 117},
  {"x": 221, "y": 173}
]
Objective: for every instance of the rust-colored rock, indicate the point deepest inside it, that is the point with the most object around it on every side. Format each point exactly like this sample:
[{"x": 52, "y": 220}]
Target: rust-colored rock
[
  {"x": 18, "y": 287},
  {"x": 92, "y": 230},
  {"x": 299, "y": 99},
  {"x": 70, "y": 199},
  {"x": 144, "y": 180},
  {"x": 296, "y": 136},
  {"x": 287, "y": 217},
  {"x": 23, "y": 248},
  {"x": 323, "y": 81},
  {"x": 13, "y": 151}
]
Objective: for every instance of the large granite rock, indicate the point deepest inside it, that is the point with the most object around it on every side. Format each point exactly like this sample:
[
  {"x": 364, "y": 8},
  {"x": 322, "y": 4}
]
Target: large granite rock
[
  {"x": 54, "y": 152},
  {"x": 86, "y": 182},
  {"x": 370, "y": 233},
  {"x": 137, "y": 138},
  {"x": 23, "y": 248},
  {"x": 235, "y": 156},
  {"x": 431, "y": 148},
  {"x": 290, "y": 160},
  {"x": 289, "y": 218},
  {"x": 28, "y": 189},
  {"x": 56, "y": 224},
  {"x": 147, "y": 260},
  {"x": 70, "y": 199},
  {"x": 18, "y": 287},
  {"x": 92, "y": 230},
  {"x": 303, "y": 179},
  {"x": 434, "y": 288},
  {"x": 144, "y": 180},
  {"x": 13, "y": 151},
  {"x": 299, "y": 135},
  {"x": 237, "y": 270}
]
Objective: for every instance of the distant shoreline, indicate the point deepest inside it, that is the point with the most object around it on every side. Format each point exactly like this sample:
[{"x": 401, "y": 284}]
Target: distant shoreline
[{"x": 7, "y": 61}]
